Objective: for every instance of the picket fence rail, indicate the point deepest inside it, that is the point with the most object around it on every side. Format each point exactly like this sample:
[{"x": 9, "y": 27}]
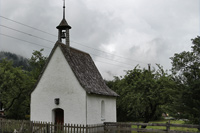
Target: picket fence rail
[
  {"x": 124, "y": 127},
  {"x": 19, "y": 126}
]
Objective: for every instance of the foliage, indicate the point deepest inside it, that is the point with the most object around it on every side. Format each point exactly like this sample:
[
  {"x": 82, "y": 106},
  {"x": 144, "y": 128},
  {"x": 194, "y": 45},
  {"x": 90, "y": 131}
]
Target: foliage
[
  {"x": 37, "y": 63},
  {"x": 16, "y": 85},
  {"x": 186, "y": 70},
  {"x": 142, "y": 93}
]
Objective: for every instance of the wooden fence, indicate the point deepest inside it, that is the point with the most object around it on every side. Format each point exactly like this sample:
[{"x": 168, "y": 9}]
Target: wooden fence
[
  {"x": 118, "y": 127},
  {"x": 13, "y": 126}
]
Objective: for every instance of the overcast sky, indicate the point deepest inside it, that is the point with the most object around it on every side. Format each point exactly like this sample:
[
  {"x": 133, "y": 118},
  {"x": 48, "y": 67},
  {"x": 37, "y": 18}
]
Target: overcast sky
[{"x": 119, "y": 34}]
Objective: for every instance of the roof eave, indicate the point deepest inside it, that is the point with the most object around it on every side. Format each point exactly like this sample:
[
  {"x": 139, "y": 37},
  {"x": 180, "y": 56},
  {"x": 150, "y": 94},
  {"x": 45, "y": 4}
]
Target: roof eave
[{"x": 99, "y": 94}]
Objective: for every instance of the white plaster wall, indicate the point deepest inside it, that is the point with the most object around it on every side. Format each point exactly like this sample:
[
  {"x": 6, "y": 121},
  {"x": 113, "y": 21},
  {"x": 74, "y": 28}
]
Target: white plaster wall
[
  {"x": 58, "y": 81},
  {"x": 94, "y": 109}
]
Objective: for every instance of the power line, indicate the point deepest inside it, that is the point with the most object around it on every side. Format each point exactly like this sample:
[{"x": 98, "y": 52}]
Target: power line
[
  {"x": 24, "y": 40},
  {"x": 111, "y": 59},
  {"x": 71, "y": 41},
  {"x": 28, "y": 26},
  {"x": 53, "y": 42},
  {"x": 25, "y": 33},
  {"x": 112, "y": 64},
  {"x": 50, "y": 48},
  {"x": 107, "y": 52}
]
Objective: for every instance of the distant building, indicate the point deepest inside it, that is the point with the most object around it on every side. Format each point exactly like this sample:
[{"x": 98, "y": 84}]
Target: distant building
[{"x": 70, "y": 88}]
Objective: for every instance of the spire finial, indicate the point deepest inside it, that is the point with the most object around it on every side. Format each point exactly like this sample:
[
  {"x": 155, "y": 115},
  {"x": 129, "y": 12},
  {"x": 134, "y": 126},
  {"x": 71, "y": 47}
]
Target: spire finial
[{"x": 63, "y": 9}]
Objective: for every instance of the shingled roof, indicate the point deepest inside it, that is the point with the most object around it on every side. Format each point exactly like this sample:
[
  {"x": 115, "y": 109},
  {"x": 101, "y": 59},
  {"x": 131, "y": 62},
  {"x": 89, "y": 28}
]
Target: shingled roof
[
  {"x": 85, "y": 70},
  {"x": 63, "y": 24}
]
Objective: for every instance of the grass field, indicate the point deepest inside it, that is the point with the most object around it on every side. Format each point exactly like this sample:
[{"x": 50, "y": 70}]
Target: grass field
[{"x": 171, "y": 128}]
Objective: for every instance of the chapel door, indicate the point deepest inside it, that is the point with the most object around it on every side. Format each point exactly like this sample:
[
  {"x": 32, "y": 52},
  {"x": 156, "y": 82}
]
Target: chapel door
[{"x": 59, "y": 119}]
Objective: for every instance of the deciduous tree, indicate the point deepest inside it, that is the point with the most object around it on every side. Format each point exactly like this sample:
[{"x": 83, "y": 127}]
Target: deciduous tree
[
  {"x": 14, "y": 86},
  {"x": 186, "y": 70},
  {"x": 142, "y": 93}
]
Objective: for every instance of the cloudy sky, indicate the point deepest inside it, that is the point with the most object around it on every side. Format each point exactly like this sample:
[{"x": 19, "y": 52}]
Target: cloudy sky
[{"x": 119, "y": 34}]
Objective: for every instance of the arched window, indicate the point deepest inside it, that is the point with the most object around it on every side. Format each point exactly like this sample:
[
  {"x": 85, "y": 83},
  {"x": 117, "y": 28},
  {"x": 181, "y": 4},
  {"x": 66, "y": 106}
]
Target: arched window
[{"x": 102, "y": 110}]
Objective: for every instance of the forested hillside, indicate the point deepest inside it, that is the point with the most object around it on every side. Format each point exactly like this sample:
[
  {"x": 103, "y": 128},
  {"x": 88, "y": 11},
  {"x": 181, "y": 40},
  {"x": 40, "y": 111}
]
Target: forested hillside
[{"x": 18, "y": 60}]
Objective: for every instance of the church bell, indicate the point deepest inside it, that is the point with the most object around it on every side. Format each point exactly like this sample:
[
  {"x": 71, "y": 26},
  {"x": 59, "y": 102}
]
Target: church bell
[{"x": 63, "y": 36}]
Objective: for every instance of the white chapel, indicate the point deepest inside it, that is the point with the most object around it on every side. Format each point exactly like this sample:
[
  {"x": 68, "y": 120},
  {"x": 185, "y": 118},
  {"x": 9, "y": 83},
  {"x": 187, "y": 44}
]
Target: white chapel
[{"x": 70, "y": 88}]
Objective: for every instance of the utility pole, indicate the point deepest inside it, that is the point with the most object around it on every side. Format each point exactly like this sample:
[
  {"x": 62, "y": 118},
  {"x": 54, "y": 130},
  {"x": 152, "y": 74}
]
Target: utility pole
[{"x": 149, "y": 67}]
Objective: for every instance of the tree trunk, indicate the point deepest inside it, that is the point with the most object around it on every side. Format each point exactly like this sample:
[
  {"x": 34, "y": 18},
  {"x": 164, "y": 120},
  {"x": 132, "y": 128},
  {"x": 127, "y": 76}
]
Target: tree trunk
[
  {"x": 149, "y": 116},
  {"x": 145, "y": 121}
]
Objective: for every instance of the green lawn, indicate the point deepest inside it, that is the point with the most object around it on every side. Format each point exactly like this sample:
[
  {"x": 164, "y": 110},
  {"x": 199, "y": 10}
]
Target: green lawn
[{"x": 171, "y": 128}]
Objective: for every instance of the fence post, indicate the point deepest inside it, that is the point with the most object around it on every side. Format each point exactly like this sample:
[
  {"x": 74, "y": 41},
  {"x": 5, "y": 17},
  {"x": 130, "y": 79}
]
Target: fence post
[
  {"x": 48, "y": 127},
  {"x": 119, "y": 127},
  {"x": 168, "y": 126},
  {"x": 105, "y": 127},
  {"x": 31, "y": 127},
  {"x": 86, "y": 128},
  {"x": 138, "y": 126},
  {"x": 21, "y": 127}
]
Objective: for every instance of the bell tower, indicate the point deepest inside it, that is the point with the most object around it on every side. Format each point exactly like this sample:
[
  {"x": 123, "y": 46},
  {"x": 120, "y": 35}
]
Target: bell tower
[{"x": 63, "y": 29}]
